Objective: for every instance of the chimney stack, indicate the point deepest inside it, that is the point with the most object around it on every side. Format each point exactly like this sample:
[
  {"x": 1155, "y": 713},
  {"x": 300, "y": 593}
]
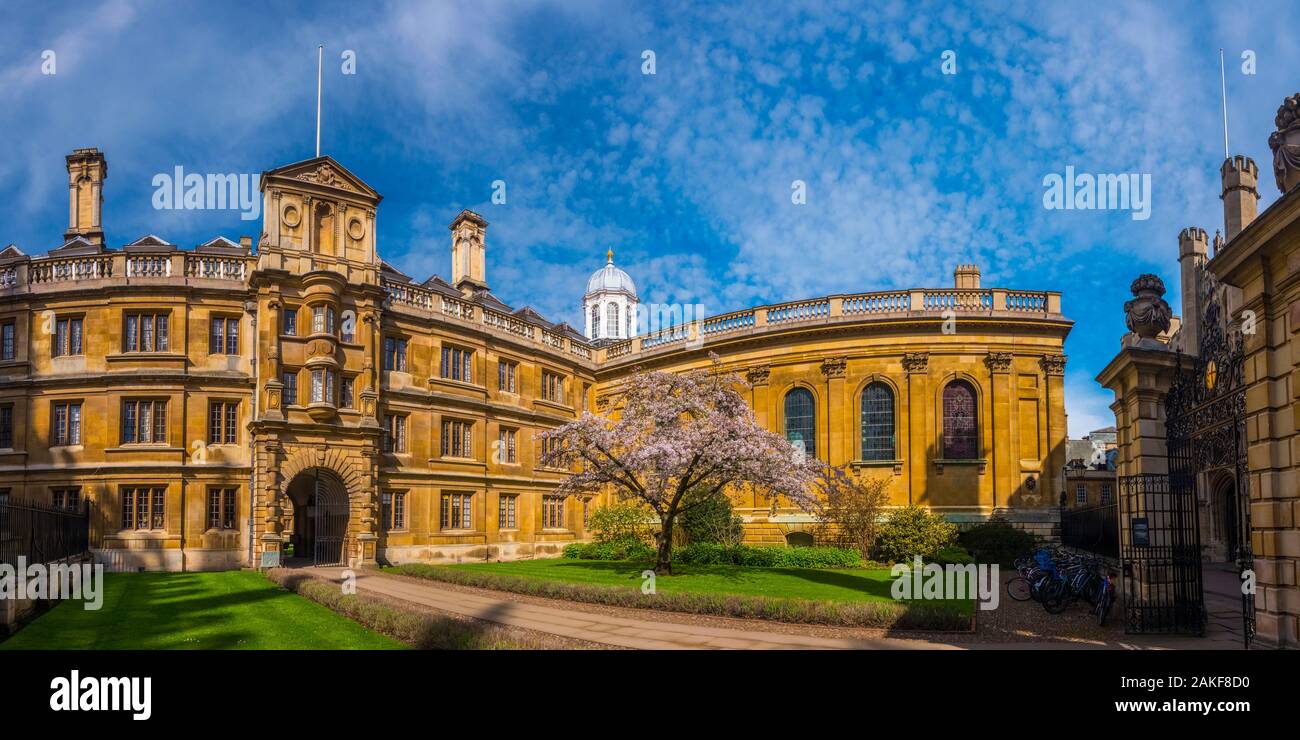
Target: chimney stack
[
  {"x": 966, "y": 277},
  {"x": 1240, "y": 194},
  {"x": 468, "y": 252},
  {"x": 1193, "y": 251},
  {"x": 87, "y": 170}
]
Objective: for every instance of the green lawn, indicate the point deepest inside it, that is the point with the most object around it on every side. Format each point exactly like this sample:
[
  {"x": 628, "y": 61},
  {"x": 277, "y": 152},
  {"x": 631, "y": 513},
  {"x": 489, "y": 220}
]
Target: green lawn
[
  {"x": 859, "y": 584},
  {"x": 171, "y": 611}
]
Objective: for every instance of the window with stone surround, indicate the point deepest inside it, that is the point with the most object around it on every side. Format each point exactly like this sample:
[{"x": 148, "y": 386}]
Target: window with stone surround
[
  {"x": 960, "y": 422},
  {"x": 144, "y": 421},
  {"x": 145, "y": 332},
  {"x": 221, "y": 508},
  {"x": 801, "y": 421},
  {"x": 457, "y": 511},
  {"x": 143, "y": 507},
  {"x": 878, "y": 423}
]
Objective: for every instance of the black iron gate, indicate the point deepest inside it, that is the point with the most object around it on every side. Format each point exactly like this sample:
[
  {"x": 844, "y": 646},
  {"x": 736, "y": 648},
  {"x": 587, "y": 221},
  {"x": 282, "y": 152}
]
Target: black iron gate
[
  {"x": 329, "y": 521},
  {"x": 1161, "y": 556},
  {"x": 1205, "y": 423}
]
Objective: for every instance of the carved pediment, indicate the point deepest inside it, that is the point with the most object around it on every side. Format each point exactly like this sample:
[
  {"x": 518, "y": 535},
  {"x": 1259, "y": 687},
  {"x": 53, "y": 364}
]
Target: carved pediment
[
  {"x": 323, "y": 171},
  {"x": 326, "y": 175}
]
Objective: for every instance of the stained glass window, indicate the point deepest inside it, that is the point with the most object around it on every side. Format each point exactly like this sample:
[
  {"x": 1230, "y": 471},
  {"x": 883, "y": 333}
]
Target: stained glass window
[{"x": 960, "y": 422}]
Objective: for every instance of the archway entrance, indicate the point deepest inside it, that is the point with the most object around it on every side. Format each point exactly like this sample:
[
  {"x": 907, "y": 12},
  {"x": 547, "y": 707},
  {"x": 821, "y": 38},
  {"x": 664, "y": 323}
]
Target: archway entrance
[
  {"x": 1226, "y": 530},
  {"x": 319, "y": 526}
]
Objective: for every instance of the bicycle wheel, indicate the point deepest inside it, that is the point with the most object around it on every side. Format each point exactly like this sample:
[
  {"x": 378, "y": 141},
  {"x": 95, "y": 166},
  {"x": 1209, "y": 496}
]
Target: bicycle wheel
[
  {"x": 1020, "y": 589},
  {"x": 1055, "y": 597},
  {"x": 1103, "y": 607}
]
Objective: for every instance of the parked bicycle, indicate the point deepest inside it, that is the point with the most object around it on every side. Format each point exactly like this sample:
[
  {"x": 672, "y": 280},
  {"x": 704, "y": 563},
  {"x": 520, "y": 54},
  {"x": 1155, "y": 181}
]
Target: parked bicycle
[{"x": 1057, "y": 578}]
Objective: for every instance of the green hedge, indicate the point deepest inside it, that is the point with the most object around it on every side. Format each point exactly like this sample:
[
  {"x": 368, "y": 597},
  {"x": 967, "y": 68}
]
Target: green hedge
[
  {"x": 770, "y": 556},
  {"x": 620, "y": 550},
  {"x": 997, "y": 541},
  {"x": 712, "y": 553},
  {"x": 955, "y": 555}
]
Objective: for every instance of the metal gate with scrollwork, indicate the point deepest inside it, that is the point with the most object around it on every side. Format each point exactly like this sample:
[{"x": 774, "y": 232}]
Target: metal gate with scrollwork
[
  {"x": 329, "y": 514},
  {"x": 1205, "y": 424}
]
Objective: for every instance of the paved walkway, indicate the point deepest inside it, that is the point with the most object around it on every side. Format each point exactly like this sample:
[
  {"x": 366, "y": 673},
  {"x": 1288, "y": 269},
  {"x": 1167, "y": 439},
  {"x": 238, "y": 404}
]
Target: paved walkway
[
  {"x": 630, "y": 632},
  {"x": 601, "y": 628}
]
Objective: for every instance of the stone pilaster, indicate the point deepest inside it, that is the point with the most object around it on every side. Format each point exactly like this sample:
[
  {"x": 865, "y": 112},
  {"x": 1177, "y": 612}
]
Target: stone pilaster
[
  {"x": 834, "y": 369},
  {"x": 1002, "y": 453},
  {"x": 917, "y": 367}
]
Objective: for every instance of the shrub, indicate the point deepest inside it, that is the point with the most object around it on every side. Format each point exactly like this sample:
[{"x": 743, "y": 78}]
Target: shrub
[
  {"x": 709, "y": 518},
  {"x": 913, "y": 531},
  {"x": 954, "y": 555},
  {"x": 620, "y": 550},
  {"x": 849, "y": 508},
  {"x": 773, "y": 556},
  {"x": 619, "y": 523},
  {"x": 997, "y": 541}
]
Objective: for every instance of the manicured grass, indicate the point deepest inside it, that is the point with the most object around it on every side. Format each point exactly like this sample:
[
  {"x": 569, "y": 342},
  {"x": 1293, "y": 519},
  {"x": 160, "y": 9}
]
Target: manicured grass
[
  {"x": 841, "y": 585},
  {"x": 171, "y": 611}
]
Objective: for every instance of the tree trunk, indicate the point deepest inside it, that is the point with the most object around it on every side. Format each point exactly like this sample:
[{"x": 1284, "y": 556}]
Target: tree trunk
[{"x": 664, "y": 561}]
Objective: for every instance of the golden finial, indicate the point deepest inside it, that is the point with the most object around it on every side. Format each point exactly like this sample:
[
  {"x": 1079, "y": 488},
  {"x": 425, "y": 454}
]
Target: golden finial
[{"x": 609, "y": 255}]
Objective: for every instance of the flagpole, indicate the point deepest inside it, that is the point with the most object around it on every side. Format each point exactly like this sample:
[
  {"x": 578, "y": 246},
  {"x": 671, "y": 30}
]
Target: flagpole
[
  {"x": 1223, "y": 89},
  {"x": 320, "y": 64}
]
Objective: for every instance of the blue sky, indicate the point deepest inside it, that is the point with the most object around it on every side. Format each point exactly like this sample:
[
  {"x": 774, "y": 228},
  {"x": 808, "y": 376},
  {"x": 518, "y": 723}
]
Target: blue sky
[{"x": 686, "y": 173}]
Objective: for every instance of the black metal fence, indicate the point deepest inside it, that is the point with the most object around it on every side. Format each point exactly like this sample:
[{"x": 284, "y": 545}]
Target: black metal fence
[
  {"x": 1093, "y": 529},
  {"x": 41, "y": 534}
]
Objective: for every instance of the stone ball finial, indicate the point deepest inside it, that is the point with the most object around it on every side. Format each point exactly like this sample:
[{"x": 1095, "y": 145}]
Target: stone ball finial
[
  {"x": 1285, "y": 143},
  {"x": 1147, "y": 315}
]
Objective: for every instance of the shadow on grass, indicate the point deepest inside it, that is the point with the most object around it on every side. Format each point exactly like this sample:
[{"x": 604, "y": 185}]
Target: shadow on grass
[{"x": 173, "y": 611}]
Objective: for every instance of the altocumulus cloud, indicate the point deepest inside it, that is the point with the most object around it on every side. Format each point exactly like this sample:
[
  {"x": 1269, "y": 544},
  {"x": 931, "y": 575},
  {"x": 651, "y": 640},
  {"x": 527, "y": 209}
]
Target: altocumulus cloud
[{"x": 686, "y": 173}]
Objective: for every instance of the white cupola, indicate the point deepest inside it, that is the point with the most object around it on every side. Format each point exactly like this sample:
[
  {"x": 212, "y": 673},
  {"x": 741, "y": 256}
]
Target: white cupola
[{"x": 609, "y": 307}]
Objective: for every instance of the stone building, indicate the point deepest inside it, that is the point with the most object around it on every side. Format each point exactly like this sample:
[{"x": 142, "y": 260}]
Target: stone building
[
  {"x": 1206, "y": 402},
  {"x": 231, "y": 405}
]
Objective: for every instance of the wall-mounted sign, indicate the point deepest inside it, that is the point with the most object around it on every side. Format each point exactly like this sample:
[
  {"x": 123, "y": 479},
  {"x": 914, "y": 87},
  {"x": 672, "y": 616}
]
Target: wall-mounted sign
[{"x": 1140, "y": 532}]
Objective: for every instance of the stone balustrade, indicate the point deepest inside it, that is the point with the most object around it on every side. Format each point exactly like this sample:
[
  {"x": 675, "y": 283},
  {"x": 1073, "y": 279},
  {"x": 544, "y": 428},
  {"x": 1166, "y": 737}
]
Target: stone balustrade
[
  {"x": 41, "y": 274},
  {"x": 916, "y": 303}
]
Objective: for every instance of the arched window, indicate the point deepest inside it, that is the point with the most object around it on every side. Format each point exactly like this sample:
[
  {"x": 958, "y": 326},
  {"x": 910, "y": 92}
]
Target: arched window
[
  {"x": 595, "y": 321},
  {"x": 960, "y": 422},
  {"x": 878, "y": 423},
  {"x": 613, "y": 320},
  {"x": 801, "y": 420}
]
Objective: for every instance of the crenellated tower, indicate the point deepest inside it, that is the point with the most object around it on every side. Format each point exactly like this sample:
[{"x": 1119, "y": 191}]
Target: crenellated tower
[{"x": 1240, "y": 196}]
